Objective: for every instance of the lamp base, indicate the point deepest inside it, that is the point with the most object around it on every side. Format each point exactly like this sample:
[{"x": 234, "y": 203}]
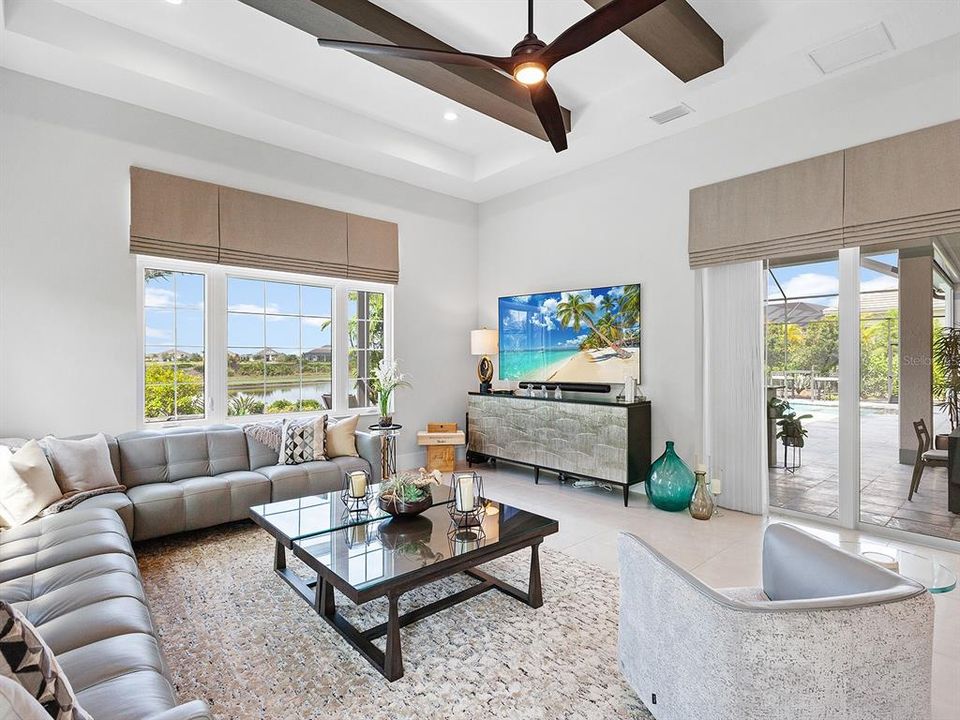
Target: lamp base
[{"x": 486, "y": 388}]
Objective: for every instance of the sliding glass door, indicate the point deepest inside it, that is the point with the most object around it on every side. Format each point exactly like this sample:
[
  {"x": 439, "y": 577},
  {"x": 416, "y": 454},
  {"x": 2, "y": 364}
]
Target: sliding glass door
[
  {"x": 901, "y": 367},
  {"x": 802, "y": 344}
]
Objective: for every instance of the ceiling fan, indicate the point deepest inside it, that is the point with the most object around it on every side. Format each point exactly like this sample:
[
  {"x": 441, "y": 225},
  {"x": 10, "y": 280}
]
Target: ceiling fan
[{"x": 531, "y": 58}]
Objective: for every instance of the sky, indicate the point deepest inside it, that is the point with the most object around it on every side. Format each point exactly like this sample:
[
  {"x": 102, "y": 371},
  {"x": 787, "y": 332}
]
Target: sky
[
  {"x": 260, "y": 314},
  {"x": 529, "y": 322},
  {"x": 820, "y": 282}
]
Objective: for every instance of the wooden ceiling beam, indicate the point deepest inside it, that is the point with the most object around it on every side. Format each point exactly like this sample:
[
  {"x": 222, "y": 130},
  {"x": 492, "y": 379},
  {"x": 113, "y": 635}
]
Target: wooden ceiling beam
[
  {"x": 486, "y": 91},
  {"x": 675, "y": 35}
]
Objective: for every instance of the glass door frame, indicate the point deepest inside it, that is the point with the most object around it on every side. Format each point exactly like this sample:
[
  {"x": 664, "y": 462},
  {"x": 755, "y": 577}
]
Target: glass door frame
[{"x": 849, "y": 419}]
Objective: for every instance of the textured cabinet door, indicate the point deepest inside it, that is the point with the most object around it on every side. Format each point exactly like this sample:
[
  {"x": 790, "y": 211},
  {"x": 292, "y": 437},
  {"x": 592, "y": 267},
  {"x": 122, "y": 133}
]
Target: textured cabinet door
[{"x": 578, "y": 438}]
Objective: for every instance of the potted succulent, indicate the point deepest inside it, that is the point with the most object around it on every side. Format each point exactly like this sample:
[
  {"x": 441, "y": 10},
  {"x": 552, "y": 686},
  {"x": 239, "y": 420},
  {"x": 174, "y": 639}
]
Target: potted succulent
[
  {"x": 410, "y": 493},
  {"x": 946, "y": 378},
  {"x": 387, "y": 378}
]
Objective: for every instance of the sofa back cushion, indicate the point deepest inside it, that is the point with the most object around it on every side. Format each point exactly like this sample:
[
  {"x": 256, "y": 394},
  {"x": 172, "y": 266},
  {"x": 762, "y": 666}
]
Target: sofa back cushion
[
  {"x": 152, "y": 456},
  {"x": 261, "y": 455}
]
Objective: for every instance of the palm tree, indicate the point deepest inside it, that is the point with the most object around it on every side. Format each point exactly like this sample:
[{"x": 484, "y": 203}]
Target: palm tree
[
  {"x": 575, "y": 312},
  {"x": 609, "y": 306},
  {"x": 630, "y": 304}
]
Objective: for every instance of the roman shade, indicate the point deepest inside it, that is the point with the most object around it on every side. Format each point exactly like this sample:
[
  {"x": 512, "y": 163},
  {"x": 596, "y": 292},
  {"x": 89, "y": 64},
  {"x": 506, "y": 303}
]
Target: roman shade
[
  {"x": 903, "y": 188},
  {"x": 372, "y": 249},
  {"x": 176, "y": 217},
  {"x": 775, "y": 213},
  {"x": 894, "y": 190},
  {"x": 173, "y": 216},
  {"x": 267, "y": 232}
]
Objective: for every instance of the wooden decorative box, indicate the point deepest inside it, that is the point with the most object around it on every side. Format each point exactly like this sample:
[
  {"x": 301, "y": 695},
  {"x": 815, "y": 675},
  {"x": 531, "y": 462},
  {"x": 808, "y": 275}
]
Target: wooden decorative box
[{"x": 441, "y": 441}]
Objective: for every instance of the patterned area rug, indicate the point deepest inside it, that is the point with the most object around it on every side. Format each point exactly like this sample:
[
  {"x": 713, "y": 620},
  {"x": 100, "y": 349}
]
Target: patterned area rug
[{"x": 237, "y": 636}]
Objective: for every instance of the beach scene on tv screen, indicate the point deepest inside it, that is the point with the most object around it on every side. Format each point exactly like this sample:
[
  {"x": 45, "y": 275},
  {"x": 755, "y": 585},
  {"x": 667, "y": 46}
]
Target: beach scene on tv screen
[{"x": 590, "y": 335}]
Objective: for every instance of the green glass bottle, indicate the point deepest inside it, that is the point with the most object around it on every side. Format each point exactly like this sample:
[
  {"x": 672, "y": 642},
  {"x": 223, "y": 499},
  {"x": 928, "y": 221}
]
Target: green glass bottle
[{"x": 670, "y": 483}]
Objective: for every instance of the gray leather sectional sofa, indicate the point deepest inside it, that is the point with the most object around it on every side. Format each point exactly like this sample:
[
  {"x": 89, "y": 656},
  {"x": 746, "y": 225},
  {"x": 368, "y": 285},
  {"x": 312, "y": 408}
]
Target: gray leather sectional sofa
[{"x": 74, "y": 574}]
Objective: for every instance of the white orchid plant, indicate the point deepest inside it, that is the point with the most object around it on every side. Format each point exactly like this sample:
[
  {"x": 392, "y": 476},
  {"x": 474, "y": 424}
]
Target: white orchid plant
[{"x": 387, "y": 378}]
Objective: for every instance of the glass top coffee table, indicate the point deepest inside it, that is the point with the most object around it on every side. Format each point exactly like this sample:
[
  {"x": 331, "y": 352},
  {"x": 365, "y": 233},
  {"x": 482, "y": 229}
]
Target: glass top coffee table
[
  {"x": 933, "y": 575},
  {"x": 389, "y": 557}
]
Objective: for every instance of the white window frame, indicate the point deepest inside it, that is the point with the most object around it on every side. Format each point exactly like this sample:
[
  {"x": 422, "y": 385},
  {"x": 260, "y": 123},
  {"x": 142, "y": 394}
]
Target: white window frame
[{"x": 215, "y": 331}]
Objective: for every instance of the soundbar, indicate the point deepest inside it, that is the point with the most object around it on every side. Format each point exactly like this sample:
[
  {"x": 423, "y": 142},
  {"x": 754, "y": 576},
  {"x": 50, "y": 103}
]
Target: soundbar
[{"x": 568, "y": 386}]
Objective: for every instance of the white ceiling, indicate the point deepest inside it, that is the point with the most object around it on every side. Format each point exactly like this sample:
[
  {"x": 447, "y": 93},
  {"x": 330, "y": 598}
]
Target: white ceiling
[{"x": 224, "y": 64}]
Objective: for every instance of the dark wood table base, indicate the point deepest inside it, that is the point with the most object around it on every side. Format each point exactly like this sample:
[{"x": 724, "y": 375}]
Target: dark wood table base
[{"x": 319, "y": 594}]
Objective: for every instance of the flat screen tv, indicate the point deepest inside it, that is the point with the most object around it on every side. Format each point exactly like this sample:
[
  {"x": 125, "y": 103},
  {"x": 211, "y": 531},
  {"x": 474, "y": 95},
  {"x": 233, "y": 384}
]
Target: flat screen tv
[{"x": 582, "y": 336}]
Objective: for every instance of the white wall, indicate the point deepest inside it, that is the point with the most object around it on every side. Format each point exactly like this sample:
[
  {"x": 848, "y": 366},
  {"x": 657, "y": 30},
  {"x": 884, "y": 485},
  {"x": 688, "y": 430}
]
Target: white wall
[
  {"x": 68, "y": 309},
  {"x": 625, "y": 219}
]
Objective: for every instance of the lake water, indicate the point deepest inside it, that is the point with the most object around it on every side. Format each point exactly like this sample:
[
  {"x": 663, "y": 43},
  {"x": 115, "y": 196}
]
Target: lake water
[
  {"x": 532, "y": 364},
  {"x": 292, "y": 392}
]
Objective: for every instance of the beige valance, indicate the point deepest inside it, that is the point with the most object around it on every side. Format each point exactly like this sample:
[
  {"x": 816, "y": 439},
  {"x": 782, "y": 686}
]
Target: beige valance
[
  {"x": 901, "y": 188},
  {"x": 187, "y": 219}
]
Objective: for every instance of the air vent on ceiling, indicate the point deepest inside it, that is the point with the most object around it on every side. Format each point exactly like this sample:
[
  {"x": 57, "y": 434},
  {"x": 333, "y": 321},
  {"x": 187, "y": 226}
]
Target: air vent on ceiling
[
  {"x": 868, "y": 43},
  {"x": 661, "y": 118}
]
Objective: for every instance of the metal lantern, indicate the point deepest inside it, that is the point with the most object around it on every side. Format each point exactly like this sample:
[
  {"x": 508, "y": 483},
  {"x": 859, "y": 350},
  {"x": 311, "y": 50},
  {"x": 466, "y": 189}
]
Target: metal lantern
[
  {"x": 464, "y": 539},
  {"x": 467, "y": 505},
  {"x": 360, "y": 534},
  {"x": 356, "y": 491}
]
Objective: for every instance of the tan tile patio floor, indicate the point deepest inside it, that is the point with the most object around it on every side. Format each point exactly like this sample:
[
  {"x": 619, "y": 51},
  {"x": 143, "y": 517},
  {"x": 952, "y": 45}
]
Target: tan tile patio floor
[{"x": 884, "y": 484}]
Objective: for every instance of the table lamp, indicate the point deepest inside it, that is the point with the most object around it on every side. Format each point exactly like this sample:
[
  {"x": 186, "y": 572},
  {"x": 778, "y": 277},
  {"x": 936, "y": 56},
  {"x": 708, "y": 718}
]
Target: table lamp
[{"x": 483, "y": 342}]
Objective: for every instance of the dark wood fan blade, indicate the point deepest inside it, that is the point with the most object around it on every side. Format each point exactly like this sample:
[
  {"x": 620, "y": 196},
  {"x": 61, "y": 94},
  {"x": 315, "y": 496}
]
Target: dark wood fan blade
[
  {"x": 595, "y": 26},
  {"x": 437, "y": 56},
  {"x": 548, "y": 110}
]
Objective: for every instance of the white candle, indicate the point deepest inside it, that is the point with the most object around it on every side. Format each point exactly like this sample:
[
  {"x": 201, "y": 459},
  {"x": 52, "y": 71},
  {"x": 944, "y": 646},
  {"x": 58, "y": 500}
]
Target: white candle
[
  {"x": 465, "y": 486},
  {"x": 715, "y": 485},
  {"x": 358, "y": 484},
  {"x": 701, "y": 468}
]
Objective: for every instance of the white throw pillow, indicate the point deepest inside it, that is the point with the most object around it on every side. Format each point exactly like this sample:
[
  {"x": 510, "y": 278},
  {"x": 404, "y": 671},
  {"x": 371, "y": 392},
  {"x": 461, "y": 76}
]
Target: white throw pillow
[
  {"x": 17, "y": 703},
  {"x": 80, "y": 465},
  {"x": 27, "y": 484}
]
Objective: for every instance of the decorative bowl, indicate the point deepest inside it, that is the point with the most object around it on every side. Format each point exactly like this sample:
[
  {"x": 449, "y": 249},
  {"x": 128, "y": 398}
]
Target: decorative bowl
[{"x": 401, "y": 508}]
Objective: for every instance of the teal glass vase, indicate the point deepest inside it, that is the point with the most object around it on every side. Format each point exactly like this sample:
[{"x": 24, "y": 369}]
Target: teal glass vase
[{"x": 670, "y": 483}]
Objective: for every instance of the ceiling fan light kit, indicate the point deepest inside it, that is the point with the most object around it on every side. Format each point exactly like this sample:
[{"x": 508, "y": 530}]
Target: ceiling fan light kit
[{"x": 531, "y": 58}]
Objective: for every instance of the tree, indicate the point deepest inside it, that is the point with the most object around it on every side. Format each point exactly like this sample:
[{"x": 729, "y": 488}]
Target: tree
[
  {"x": 170, "y": 392},
  {"x": 575, "y": 312}
]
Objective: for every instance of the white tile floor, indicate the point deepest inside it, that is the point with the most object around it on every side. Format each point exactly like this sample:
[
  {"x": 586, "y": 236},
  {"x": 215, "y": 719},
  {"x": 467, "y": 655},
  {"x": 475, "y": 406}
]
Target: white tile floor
[{"x": 724, "y": 551}]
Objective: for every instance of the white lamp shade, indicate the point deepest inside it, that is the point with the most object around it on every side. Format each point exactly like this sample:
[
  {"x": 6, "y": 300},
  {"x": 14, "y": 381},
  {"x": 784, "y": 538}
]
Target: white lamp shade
[{"x": 483, "y": 342}]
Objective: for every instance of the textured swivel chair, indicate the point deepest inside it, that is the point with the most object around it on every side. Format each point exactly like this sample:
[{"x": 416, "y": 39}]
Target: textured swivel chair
[{"x": 829, "y": 636}]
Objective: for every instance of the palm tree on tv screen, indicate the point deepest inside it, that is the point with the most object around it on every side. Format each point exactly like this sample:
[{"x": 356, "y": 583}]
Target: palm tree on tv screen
[{"x": 575, "y": 312}]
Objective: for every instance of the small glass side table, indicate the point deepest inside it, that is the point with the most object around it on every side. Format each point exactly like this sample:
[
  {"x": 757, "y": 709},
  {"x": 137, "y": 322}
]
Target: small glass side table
[
  {"x": 388, "y": 448},
  {"x": 932, "y": 574}
]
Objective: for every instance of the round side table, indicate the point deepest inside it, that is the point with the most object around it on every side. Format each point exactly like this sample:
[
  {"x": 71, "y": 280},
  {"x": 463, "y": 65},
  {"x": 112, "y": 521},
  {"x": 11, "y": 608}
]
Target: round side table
[
  {"x": 933, "y": 575},
  {"x": 388, "y": 448}
]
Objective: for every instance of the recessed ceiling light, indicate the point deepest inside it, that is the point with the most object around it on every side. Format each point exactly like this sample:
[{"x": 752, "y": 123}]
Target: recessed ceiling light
[
  {"x": 175, "y": 2},
  {"x": 450, "y": 116},
  {"x": 852, "y": 49}
]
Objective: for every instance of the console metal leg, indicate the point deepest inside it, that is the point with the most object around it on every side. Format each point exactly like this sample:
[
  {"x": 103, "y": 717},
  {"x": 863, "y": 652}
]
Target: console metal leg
[
  {"x": 536, "y": 476},
  {"x": 626, "y": 496}
]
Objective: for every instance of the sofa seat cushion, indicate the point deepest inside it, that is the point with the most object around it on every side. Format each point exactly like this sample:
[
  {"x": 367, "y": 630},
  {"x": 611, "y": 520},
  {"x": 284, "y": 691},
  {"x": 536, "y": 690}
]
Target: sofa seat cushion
[
  {"x": 309, "y": 478},
  {"x": 94, "y": 621},
  {"x": 246, "y": 488},
  {"x": 107, "y": 659},
  {"x": 206, "y": 501},
  {"x": 59, "y": 539},
  {"x": 116, "y": 501},
  {"x": 132, "y": 696},
  {"x": 76, "y": 596},
  {"x": 32, "y": 586}
]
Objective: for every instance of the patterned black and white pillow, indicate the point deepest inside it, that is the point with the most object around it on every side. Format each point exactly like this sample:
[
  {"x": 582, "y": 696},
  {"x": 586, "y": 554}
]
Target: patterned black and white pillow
[
  {"x": 303, "y": 440},
  {"x": 25, "y": 658}
]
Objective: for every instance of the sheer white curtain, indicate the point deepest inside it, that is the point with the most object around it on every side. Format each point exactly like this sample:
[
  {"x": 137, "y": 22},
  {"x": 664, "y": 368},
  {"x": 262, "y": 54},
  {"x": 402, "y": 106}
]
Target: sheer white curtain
[{"x": 732, "y": 385}]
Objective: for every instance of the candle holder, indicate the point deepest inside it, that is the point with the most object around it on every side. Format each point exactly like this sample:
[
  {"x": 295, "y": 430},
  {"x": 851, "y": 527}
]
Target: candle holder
[
  {"x": 359, "y": 535},
  {"x": 356, "y": 491},
  {"x": 468, "y": 506},
  {"x": 464, "y": 539}
]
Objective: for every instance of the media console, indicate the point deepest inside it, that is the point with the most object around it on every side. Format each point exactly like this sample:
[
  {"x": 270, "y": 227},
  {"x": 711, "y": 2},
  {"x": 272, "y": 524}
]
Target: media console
[{"x": 593, "y": 439}]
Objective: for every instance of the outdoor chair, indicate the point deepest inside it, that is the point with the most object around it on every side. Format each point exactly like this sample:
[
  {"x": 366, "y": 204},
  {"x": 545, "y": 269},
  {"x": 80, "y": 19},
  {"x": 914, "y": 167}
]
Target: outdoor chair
[{"x": 925, "y": 456}]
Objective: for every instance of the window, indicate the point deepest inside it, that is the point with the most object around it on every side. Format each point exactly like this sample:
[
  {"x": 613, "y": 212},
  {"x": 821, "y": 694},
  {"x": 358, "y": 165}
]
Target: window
[
  {"x": 174, "y": 345},
  {"x": 279, "y": 347},
  {"x": 365, "y": 319},
  {"x": 223, "y": 343}
]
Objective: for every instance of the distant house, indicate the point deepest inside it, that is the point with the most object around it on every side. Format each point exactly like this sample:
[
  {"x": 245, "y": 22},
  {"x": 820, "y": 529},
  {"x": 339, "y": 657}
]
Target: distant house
[
  {"x": 169, "y": 355},
  {"x": 267, "y": 355},
  {"x": 319, "y": 354}
]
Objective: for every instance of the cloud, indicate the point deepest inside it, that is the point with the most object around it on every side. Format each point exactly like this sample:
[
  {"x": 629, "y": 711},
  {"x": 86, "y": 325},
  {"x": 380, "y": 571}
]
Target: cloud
[
  {"x": 158, "y": 297},
  {"x": 152, "y": 333},
  {"x": 253, "y": 308},
  {"x": 616, "y": 291},
  {"x": 575, "y": 342},
  {"x": 884, "y": 282},
  {"x": 522, "y": 298},
  {"x": 810, "y": 284},
  {"x": 549, "y": 307},
  {"x": 544, "y": 321},
  {"x": 315, "y": 321}
]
